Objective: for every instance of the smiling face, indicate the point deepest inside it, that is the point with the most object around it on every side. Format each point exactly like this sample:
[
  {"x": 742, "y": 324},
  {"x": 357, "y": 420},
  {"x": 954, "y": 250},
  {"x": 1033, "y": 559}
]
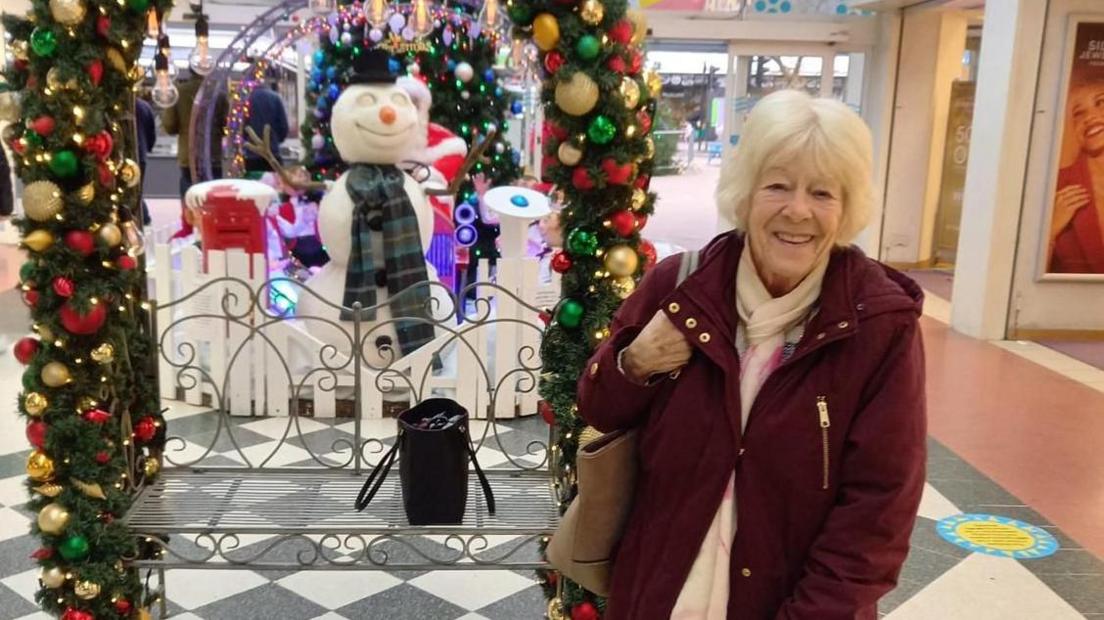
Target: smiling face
[
  {"x": 1087, "y": 114},
  {"x": 792, "y": 224},
  {"x": 374, "y": 124}
]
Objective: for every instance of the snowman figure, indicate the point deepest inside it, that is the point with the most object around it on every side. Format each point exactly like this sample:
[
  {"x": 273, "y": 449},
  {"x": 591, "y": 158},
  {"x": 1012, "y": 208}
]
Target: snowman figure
[{"x": 375, "y": 223}]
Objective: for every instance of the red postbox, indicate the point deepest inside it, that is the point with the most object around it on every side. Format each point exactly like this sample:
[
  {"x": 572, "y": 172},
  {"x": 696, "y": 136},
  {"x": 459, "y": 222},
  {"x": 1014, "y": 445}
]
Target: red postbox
[{"x": 231, "y": 217}]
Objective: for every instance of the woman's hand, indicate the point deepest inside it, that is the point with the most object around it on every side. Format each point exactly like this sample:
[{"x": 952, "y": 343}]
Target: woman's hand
[
  {"x": 1067, "y": 203},
  {"x": 659, "y": 348}
]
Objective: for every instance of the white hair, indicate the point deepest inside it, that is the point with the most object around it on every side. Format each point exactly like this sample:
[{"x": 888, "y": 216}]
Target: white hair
[{"x": 789, "y": 127}]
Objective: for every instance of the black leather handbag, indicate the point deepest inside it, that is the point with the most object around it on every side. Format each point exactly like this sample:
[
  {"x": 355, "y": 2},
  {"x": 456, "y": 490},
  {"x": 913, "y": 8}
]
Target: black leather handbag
[{"x": 433, "y": 449}]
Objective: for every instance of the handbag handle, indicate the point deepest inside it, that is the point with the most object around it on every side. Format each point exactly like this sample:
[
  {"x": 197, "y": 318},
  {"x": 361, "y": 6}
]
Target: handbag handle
[
  {"x": 379, "y": 474},
  {"x": 488, "y": 494}
]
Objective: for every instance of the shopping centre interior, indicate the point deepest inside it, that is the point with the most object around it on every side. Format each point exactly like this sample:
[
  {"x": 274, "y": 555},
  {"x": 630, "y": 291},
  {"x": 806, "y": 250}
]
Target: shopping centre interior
[{"x": 978, "y": 114}]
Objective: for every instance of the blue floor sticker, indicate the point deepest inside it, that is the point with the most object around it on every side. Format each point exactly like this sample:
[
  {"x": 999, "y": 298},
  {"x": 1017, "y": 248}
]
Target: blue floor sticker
[{"x": 997, "y": 536}]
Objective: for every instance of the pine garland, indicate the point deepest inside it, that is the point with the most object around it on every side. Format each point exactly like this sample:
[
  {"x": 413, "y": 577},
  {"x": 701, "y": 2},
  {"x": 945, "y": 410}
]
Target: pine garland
[
  {"x": 599, "y": 107},
  {"x": 89, "y": 388}
]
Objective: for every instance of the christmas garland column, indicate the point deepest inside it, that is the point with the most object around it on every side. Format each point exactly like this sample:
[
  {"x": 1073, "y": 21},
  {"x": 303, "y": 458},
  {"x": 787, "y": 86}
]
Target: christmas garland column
[
  {"x": 599, "y": 108},
  {"x": 89, "y": 398}
]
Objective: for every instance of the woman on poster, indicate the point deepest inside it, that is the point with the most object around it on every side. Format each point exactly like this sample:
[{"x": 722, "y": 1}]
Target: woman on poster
[{"x": 1077, "y": 225}]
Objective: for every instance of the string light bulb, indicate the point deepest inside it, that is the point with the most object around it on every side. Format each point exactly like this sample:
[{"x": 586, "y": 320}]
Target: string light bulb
[
  {"x": 200, "y": 60},
  {"x": 377, "y": 12},
  {"x": 421, "y": 20},
  {"x": 165, "y": 93},
  {"x": 489, "y": 18}
]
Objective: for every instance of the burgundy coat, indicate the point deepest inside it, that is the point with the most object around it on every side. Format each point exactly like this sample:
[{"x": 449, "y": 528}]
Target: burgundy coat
[
  {"x": 801, "y": 551},
  {"x": 1079, "y": 248}
]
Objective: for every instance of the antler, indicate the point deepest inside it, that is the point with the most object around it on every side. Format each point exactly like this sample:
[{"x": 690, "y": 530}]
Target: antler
[
  {"x": 263, "y": 148},
  {"x": 474, "y": 155}
]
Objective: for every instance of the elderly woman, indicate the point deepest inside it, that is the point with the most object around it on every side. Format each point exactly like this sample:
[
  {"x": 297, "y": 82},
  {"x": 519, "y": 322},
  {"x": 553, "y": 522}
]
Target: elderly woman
[{"x": 779, "y": 391}]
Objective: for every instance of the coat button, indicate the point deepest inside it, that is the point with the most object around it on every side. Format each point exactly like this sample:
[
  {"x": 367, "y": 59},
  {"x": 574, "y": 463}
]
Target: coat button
[
  {"x": 594, "y": 369},
  {"x": 843, "y": 324},
  {"x": 381, "y": 277},
  {"x": 742, "y": 451},
  {"x": 705, "y": 338},
  {"x": 860, "y": 307},
  {"x": 746, "y": 572},
  {"x": 691, "y": 323},
  {"x": 821, "y": 336},
  {"x": 375, "y": 223},
  {"x": 674, "y": 308}
]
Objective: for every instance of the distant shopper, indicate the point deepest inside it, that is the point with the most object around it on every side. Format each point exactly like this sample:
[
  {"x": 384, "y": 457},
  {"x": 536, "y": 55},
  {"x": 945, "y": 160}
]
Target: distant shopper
[
  {"x": 177, "y": 121},
  {"x": 1077, "y": 225},
  {"x": 778, "y": 392},
  {"x": 147, "y": 136},
  {"x": 266, "y": 108},
  {"x": 7, "y": 197}
]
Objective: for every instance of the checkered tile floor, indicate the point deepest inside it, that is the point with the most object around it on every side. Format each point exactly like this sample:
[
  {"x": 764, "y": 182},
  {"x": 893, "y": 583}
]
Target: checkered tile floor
[{"x": 939, "y": 581}]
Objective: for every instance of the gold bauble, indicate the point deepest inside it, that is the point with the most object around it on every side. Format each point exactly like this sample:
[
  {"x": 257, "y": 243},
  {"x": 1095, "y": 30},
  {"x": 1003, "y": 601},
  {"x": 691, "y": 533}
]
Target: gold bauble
[
  {"x": 91, "y": 489},
  {"x": 85, "y": 403},
  {"x": 623, "y": 287},
  {"x": 39, "y": 240},
  {"x": 18, "y": 49},
  {"x": 55, "y": 374},
  {"x": 649, "y": 148},
  {"x": 9, "y": 107},
  {"x": 654, "y": 83},
  {"x": 34, "y": 403},
  {"x": 53, "y": 81},
  {"x": 569, "y": 154},
  {"x": 130, "y": 174},
  {"x": 40, "y": 467},
  {"x": 630, "y": 92},
  {"x": 45, "y": 333},
  {"x": 68, "y": 12},
  {"x": 53, "y": 518},
  {"x": 116, "y": 60},
  {"x": 555, "y": 609},
  {"x": 639, "y": 197},
  {"x": 42, "y": 200},
  {"x": 103, "y": 354},
  {"x": 640, "y": 25},
  {"x": 577, "y": 95},
  {"x": 111, "y": 234},
  {"x": 52, "y": 577},
  {"x": 592, "y": 12},
  {"x": 86, "y": 590},
  {"x": 85, "y": 194},
  {"x": 151, "y": 467},
  {"x": 48, "y": 490},
  {"x": 546, "y": 32},
  {"x": 144, "y": 614},
  {"x": 621, "y": 261}
]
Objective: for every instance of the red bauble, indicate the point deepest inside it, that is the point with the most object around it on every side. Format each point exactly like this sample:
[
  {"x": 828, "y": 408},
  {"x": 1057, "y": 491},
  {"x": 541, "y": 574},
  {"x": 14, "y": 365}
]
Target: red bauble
[
  {"x": 36, "y": 434},
  {"x": 32, "y": 83},
  {"x": 42, "y": 553},
  {"x": 584, "y": 611},
  {"x": 122, "y": 606},
  {"x": 25, "y": 349},
  {"x": 561, "y": 263},
  {"x": 545, "y": 317},
  {"x": 63, "y": 287},
  {"x": 43, "y": 125},
  {"x": 30, "y": 298},
  {"x": 553, "y": 578},
  {"x": 106, "y": 176},
  {"x": 103, "y": 25},
  {"x": 546, "y": 412},
  {"x": 553, "y": 61},
  {"x": 83, "y": 324},
  {"x": 642, "y": 181},
  {"x": 76, "y": 614},
  {"x": 126, "y": 262},
  {"x": 18, "y": 145},
  {"x": 644, "y": 120},
  {"x": 95, "y": 71},
  {"x": 617, "y": 174},
  {"x": 636, "y": 62},
  {"x": 641, "y": 221},
  {"x": 580, "y": 178},
  {"x": 99, "y": 145},
  {"x": 623, "y": 223},
  {"x": 21, "y": 65},
  {"x": 554, "y": 130},
  {"x": 97, "y": 416},
  {"x": 80, "y": 241},
  {"x": 617, "y": 64},
  {"x": 107, "y": 517},
  {"x": 146, "y": 429},
  {"x": 103, "y": 458},
  {"x": 648, "y": 250},
  {"x": 621, "y": 32}
]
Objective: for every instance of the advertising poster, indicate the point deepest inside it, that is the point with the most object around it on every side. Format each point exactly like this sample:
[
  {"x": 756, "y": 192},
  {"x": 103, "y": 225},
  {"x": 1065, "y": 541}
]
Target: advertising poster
[{"x": 1075, "y": 238}]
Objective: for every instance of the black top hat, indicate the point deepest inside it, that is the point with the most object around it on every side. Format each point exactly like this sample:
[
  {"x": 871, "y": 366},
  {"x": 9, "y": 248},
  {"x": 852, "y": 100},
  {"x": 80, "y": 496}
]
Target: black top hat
[{"x": 371, "y": 67}]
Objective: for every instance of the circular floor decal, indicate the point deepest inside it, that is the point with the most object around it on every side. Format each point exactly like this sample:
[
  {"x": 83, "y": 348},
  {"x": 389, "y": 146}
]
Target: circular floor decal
[{"x": 999, "y": 536}]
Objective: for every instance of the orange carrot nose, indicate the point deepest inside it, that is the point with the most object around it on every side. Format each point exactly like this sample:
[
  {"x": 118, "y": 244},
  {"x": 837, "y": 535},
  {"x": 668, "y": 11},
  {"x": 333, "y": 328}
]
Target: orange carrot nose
[{"x": 387, "y": 115}]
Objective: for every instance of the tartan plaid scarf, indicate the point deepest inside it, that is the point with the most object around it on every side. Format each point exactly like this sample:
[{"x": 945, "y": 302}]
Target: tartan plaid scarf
[{"x": 377, "y": 191}]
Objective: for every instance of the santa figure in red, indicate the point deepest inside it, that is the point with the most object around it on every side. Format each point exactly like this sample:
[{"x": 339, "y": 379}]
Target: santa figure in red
[{"x": 442, "y": 152}]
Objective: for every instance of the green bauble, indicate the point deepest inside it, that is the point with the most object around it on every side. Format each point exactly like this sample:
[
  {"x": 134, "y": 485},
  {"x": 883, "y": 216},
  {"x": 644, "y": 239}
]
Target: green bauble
[
  {"x": 64, "y": 163},
  {"x": 582, "y": 243},
  {"x": 588, "y": 47},
  {"x": 570, "y": 313},
  {"x": 75, "y": 548},
  {"x": 601, "y": 130},
  {"x": 520, "y": 14},
  {"x": 138, "y": 6},
  {"x": 43, "y": 42},
  {"x": 26, "y": 271},
  {"x": 32, "y": 138}
]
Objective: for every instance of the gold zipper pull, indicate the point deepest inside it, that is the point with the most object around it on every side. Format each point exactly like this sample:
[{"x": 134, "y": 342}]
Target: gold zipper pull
[{"x": 822, "y": 408}]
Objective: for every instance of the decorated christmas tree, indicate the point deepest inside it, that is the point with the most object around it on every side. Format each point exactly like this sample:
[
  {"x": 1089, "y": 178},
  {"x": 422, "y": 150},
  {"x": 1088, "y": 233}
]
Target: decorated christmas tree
[
  {"x": 599, "y": 110},
  {"x": 88, "y": 395}
]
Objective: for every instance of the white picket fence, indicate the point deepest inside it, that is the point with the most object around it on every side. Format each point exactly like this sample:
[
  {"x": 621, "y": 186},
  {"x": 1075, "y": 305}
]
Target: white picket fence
[{"x": 258, "y": 365}]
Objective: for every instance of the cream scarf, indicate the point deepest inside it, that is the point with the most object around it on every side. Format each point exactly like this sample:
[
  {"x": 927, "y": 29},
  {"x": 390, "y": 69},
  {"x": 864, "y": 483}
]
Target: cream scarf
[{"x": 765, "y": 322}]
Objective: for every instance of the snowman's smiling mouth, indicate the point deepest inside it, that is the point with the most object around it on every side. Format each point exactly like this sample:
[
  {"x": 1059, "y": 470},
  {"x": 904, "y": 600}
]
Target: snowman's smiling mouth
[{"x": 391, "y": 134}]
